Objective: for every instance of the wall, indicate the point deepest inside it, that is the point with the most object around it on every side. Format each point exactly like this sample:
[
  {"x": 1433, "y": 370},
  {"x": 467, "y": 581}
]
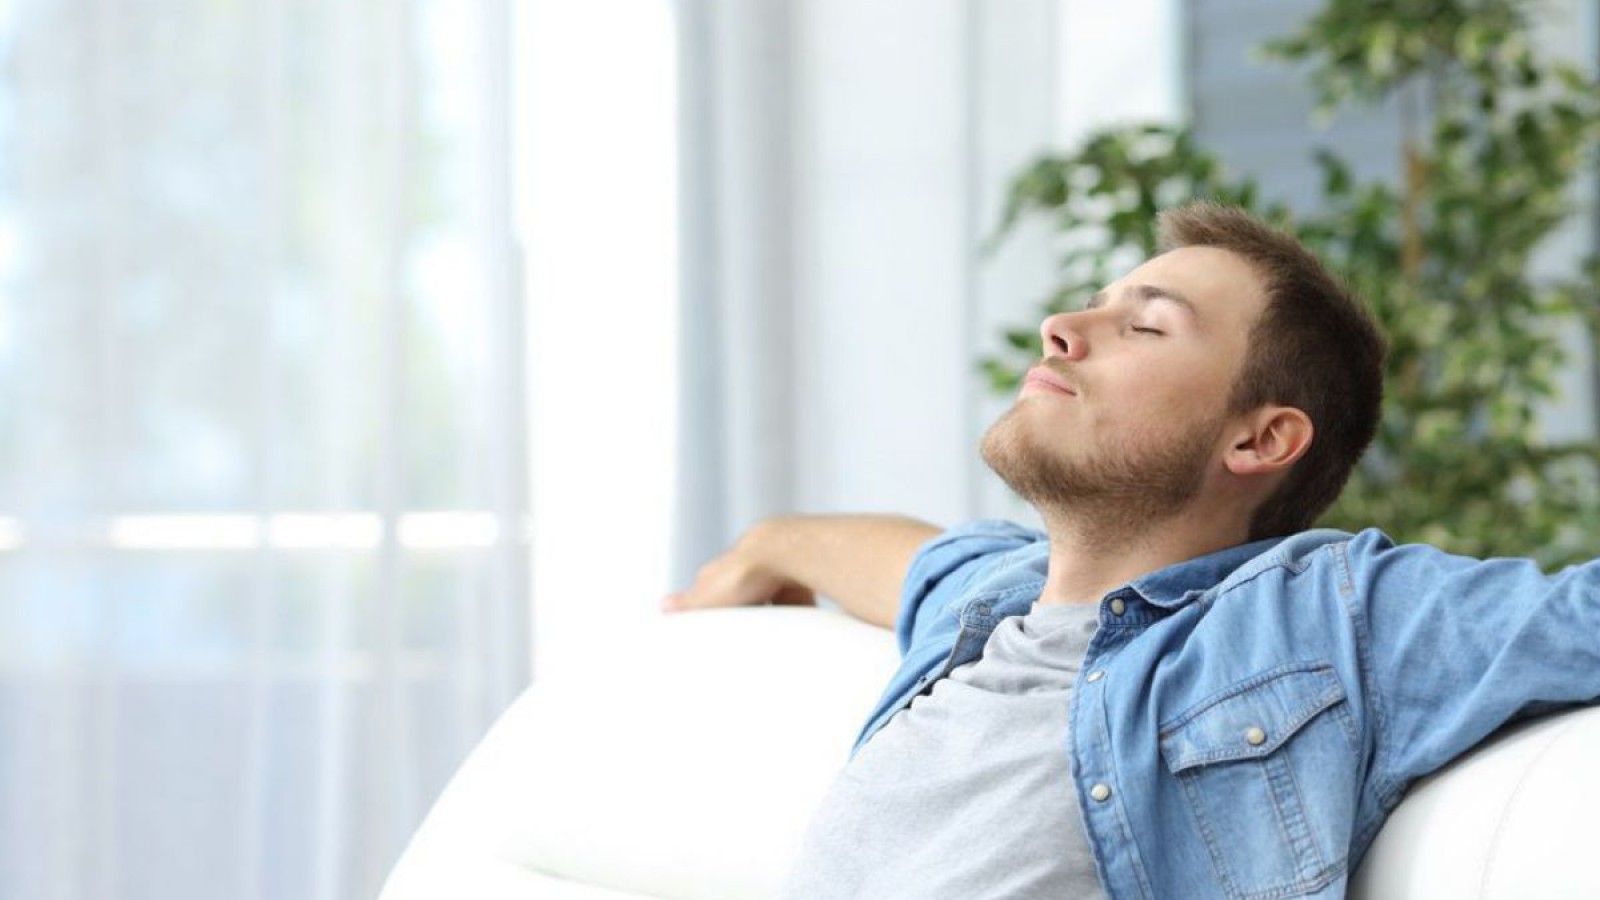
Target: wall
[{"x": 910, "y": 120}]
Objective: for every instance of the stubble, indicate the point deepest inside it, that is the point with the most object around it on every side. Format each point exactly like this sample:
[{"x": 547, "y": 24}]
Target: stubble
[{"x": 1116, "y": 491}]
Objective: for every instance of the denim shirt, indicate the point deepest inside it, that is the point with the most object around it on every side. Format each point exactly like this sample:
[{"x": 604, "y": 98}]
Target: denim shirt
[{"x": 1244, "y": 722}]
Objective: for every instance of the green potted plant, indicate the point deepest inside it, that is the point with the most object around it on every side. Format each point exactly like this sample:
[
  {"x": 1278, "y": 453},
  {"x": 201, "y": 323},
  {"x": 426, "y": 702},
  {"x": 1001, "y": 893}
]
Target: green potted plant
[{"x": 1492, "y": 145}]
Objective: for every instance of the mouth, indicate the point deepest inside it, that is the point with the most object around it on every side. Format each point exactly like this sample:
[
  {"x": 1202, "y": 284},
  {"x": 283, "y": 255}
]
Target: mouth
[{"x": 1043, "y": 378}]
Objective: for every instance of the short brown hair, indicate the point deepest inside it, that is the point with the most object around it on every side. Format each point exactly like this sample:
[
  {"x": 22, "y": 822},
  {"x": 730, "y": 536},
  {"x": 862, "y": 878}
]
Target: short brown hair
[{"x": 1314, "y": 347}]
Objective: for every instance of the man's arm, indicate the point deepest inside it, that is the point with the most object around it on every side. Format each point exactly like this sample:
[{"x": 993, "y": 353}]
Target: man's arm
[
  {"x": 860, "y": 561},
  {"x": 1457, "y": 647}
]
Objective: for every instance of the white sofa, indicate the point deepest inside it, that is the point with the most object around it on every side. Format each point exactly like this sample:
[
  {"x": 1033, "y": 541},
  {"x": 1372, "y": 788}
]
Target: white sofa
[{"x": 688, "y": 765}]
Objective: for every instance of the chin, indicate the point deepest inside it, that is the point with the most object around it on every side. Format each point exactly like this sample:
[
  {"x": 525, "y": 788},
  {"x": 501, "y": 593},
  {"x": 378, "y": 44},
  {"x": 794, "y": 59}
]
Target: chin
[
  {"x": 999, "y": 440},
  {"x": 1013, "y": 451}
]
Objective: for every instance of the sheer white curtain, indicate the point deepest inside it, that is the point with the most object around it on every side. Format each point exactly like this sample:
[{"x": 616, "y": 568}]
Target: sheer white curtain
[
  {"x": 736, "y": 402},
  {"x": 262, "y": 539},
  {"x": 596, "y": 204},
  {"x": 837, "y": 187}
]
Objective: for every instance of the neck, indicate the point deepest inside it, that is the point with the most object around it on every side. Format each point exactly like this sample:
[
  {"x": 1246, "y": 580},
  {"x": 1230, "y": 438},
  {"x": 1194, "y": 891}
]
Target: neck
[{"x": 1092, "y": 555}]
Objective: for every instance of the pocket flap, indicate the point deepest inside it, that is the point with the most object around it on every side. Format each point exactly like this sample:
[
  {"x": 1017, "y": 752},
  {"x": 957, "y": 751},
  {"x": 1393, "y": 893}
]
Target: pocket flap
[{"x": 1251, "y": 719}]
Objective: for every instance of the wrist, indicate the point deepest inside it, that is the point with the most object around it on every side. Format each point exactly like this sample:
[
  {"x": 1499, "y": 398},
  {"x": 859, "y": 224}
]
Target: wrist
[{"x": 763, "y": 550}]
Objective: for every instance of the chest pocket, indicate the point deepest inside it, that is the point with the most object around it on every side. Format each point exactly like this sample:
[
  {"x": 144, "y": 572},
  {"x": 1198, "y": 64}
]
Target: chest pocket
[{"x": 1268, "y": 768}]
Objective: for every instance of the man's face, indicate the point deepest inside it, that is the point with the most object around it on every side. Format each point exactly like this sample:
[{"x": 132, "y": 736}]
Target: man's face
[{"x": 1126, "y": 411}]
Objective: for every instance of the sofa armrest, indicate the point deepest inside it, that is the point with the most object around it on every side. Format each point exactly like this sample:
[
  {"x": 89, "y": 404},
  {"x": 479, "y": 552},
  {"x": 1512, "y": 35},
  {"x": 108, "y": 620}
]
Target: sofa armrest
[
  {"x": 688, "y": 767},
  {"x": 1515, "y": 819}
]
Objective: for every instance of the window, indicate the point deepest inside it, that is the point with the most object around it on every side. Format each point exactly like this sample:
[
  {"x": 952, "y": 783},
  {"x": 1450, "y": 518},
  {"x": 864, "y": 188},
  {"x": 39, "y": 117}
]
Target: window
[{"x": 263, "y": 570}]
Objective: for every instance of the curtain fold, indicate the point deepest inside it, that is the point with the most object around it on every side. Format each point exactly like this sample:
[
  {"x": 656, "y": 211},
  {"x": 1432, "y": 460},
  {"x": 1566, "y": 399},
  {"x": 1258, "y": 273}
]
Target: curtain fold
[{"x": 737, "y": 273}]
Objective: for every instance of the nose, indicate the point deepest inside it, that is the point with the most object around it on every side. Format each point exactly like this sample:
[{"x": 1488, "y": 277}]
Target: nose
[{"x": 1063, "y": 335}]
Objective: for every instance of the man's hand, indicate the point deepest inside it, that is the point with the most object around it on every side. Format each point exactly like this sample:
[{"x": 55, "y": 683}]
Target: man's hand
[
  {"x": 859, "y": 561},
  {"x": 737, "y": 578}
]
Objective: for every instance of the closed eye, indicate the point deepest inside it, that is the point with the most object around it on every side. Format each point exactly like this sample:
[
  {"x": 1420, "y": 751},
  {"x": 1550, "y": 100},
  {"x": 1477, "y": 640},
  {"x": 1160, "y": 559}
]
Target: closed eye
[{"x": 1142, "y": 330}]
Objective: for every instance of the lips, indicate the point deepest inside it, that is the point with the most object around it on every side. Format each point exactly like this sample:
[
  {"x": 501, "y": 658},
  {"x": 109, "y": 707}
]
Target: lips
[{"x": 1046, "y": 379}]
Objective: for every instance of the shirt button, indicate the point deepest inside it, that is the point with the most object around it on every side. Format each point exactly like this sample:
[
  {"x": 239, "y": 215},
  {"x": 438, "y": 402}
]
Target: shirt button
[
  {"x": 1118, "y": 607},
  {"x": 1096, "y": 675},
  {"x": 1254, "y": 736},
  {"x": 1100, "y": 793}
]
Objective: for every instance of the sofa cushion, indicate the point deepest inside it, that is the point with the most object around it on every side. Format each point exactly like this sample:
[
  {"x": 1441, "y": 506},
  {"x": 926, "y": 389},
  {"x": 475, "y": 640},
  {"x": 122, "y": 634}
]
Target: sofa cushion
[
  {"x": 1515, "y": 819},
  {"x": 689, "y": 772}
]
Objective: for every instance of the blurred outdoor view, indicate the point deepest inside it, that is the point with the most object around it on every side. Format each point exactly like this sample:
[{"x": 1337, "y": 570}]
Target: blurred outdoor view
[{"x": 261, "y": 471}]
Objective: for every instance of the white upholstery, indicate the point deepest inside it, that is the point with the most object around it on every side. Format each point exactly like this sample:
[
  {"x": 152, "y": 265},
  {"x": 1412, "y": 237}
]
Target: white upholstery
[
  {"x": 1519, "y": 817},
  {"x": 687, "y": 767}
]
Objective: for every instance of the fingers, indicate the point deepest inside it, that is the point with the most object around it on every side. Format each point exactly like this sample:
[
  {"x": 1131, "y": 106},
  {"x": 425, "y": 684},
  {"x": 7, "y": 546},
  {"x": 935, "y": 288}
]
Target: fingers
[
  {"x": 794, "y": 595},
  {"x": 737, "y": 578}
]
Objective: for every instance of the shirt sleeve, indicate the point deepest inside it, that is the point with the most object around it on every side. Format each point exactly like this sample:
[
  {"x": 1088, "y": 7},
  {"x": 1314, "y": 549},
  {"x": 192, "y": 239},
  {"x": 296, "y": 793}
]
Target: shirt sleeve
[
  {"x": 1460, "y": 646},
  {"x": 945, "y": 566}
]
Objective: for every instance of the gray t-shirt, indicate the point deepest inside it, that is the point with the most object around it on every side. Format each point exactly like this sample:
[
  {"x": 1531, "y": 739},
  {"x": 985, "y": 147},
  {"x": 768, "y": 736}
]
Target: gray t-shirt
[{"x": 967, "y": 792}]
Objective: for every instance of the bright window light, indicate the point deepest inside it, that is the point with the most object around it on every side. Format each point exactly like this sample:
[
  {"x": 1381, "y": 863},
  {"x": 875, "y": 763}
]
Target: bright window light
[
  {"x": 597, "y": 212},
  {"x": 448, "y": 530},
  {"x": 438, "y": 530},
  {"x": 183, "y": 532},
  {"x": 354, "y": 531},
  {"x": 10, "y": 534}
]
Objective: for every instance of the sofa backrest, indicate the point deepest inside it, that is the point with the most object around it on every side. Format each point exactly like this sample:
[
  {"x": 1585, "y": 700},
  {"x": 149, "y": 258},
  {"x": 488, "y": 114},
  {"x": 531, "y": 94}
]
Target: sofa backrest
[{"x": 688, "y": 766}]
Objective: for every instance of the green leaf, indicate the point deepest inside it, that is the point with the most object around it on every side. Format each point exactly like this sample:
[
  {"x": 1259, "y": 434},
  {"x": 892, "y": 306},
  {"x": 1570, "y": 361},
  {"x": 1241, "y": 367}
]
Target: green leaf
[{"x": 1474, "y": 328}]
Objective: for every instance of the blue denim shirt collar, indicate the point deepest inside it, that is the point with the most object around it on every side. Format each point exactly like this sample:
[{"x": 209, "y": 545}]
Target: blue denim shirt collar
[
  {"x": 1014, "y": 588},
  {"x": 1178, "y": 584}
]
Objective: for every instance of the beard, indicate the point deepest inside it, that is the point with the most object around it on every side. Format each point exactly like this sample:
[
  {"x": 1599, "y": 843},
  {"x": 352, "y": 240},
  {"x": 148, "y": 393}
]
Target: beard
[{"x": 1121, "y": 489}]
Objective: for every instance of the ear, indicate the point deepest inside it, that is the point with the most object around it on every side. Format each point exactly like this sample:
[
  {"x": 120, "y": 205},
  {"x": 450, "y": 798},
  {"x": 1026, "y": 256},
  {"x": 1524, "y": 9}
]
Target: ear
[{"x": 1269, "y": 440}]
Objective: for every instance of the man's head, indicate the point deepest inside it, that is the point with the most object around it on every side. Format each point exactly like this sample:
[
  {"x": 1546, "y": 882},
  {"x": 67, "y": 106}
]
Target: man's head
[{"x": 1232, "y": 367}]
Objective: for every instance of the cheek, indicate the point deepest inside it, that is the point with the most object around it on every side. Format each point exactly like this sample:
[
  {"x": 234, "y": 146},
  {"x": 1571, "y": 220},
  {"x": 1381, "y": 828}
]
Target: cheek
[
  {"x": 1160, "y": 414},
  {"x": 1191, "y": 391}
]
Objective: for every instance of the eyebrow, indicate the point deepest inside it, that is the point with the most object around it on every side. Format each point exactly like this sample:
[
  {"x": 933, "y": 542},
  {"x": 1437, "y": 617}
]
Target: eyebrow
[{"x": 1144, "y": 293}]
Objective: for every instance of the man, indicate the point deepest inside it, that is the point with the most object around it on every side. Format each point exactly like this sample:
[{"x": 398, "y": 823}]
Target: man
[{"x": 1178, "y": 691}]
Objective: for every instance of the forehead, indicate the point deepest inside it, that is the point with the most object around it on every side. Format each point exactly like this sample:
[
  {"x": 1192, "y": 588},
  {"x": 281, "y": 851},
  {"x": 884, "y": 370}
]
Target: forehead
[{"x": 1223, "y": 287}]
